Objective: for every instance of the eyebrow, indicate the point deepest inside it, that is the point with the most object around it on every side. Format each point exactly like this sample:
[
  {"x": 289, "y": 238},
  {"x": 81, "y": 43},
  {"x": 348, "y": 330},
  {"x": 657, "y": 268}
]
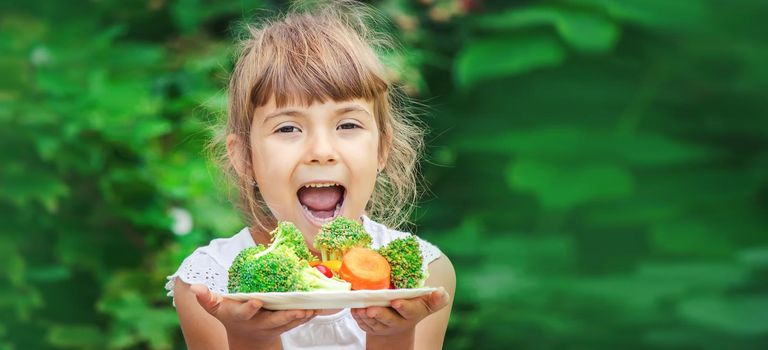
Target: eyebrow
[{"x": 298, "y": 113}]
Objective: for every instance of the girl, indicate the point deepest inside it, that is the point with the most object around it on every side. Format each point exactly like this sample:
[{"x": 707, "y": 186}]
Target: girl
[{"x": 312, "y": 134}]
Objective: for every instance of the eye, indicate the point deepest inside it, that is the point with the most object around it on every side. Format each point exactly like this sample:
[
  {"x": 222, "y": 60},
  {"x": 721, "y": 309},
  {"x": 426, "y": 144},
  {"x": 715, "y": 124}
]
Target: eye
[
  {"x": 347, "y": 126},
  {"x": 288, "y": 129}
]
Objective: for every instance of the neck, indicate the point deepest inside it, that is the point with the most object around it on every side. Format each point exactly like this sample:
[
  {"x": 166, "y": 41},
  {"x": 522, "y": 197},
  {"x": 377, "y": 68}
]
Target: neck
[{"x": 259, "y": 236}]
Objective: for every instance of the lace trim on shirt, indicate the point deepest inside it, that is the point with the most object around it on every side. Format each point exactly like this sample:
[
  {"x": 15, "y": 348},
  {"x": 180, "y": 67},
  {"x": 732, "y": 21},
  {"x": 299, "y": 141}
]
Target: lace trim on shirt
[
  {"x": 199, "y": 268},
  {"x": 429, "y": 252}
]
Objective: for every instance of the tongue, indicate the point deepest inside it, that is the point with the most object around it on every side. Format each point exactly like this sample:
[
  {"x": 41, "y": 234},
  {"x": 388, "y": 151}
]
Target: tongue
[{"x": 320, "y": 198}]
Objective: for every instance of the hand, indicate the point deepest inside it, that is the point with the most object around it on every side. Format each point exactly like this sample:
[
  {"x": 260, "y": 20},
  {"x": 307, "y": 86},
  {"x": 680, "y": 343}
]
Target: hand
[
  {"x": 246, "y": 322},
  {"x": 402, "y": 316}
]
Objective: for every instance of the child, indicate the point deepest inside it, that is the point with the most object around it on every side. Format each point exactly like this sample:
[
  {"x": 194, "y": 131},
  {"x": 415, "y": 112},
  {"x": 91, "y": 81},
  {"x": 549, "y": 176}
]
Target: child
[{"x": 312, "y": 134}]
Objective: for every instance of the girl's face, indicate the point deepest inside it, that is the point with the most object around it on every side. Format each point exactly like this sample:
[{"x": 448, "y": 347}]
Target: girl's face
[{"x": 315, "y": 163}]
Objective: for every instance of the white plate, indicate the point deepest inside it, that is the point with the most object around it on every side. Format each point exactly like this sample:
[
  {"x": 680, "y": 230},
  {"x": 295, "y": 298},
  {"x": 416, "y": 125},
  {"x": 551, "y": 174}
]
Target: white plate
[{"x": 330, "y": 300}]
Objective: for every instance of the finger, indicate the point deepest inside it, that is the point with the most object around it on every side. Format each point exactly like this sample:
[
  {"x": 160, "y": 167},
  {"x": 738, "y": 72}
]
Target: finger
[
  {"x": 246, "y": 310},
  {"x": 281, "y": 318},
  {"x": 384, "y": 315},
  {"x": 368, "y": 321},
  {"x": 223, "y": 308},
  {"x": 208, "y": 300},
  {"x": 410, "y": 309},
  {"x": 377, "y": 326},
  {"x": 438, "y": 299},
  {"x": 355, "y": 314},
  {"x": 364, "y": 326},
  {"x": 418, "y": 308},
  {"x": 293, "y": 324},
  {"x": 358, "y": 315}
]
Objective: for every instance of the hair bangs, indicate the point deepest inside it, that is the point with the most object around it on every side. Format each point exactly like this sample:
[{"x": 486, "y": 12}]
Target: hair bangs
[{"x": 307, "y": 66}]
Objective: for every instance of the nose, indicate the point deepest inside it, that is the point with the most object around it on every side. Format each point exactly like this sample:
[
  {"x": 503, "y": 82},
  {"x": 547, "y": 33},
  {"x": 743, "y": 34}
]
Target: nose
[{"x": 322, "y": 149}]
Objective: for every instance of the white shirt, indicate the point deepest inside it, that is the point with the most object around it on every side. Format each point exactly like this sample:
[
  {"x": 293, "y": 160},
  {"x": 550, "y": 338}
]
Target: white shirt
[{"x": 209, "y": 265}]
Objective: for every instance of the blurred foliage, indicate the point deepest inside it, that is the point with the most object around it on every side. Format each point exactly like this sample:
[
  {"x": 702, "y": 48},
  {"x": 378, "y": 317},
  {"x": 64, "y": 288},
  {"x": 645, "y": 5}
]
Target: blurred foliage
[{"x": 598, "y": 168}]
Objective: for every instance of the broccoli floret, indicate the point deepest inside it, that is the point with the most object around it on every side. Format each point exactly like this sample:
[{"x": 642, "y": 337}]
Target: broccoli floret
[
  {"x": 404, "y": 257},
  {"x": 233, "y": 274},
  {"x": 272, "y": 270},
  {"x": 250, "y": 271},
  {"x": 338, "y": 236},
  {"x": 261, "y": 270},
  {"x": 287, "y": 234}
]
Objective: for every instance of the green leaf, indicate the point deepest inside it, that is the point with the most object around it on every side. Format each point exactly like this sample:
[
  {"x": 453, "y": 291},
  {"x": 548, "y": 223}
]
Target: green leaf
[
  {"x": 20, "y": 30},
  {"x": 490, "y": 58},
  {"x": 628, "y": 292},
  {"x": 16, "y": 74},
  {"x": 653, "y": 284},
  {"x": 472, "y": 240},
  {"x": 32, "y": 185},
  {"x": 76, "y": 336},
  {"x": 134, "y": 316},
  {"x": 190, "y": 15},
  {"x": 47, "y": 146},
  {"x": 48, "y": 273},
  {"x": 14, "y": 265},
  {"x": 561, "y": 187},
  {"x": 497, "y": 281},
  {"x": 216, "y": 103},
  {"x": 687, "y": 337},
  {"x": 694, "y": 276},
  {"x": 633, "y": 211},
  {"x": 571, "y": 142},
  {"x": 588, "y": 32},
  {"x": 662, "y": 14},
  {"x": 22, "y": 301},
  {"x": 742, "y": 315},
  {"x": 691, "y": 237},
  {"x": 756, "y": 256}
]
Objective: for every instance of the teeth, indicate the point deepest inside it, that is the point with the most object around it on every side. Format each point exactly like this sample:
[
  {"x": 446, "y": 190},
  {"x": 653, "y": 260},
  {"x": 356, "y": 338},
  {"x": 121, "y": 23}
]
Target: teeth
[{"x": 325, "y": 184}]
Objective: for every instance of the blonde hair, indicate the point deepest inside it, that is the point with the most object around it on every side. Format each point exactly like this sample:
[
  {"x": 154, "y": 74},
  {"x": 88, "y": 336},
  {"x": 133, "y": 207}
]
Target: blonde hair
[{"x": 321, "y": 51}]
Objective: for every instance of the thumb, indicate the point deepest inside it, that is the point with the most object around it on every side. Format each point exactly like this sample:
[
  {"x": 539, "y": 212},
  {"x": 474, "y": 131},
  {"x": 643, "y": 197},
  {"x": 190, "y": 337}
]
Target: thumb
[
  {"x": 438, "y": 299},
  {"x": 208, "y": 300},
  {"x": 423, "y": 306},
  {"x": 216, "y": 305}
]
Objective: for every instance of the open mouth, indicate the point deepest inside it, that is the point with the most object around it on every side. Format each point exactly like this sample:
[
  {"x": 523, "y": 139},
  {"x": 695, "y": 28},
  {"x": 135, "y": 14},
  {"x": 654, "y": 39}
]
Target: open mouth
[{"x": 321, "y": 201}]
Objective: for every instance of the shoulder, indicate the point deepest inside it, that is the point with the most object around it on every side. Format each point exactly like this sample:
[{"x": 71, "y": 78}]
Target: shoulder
[{"x": 442, "y": 274}]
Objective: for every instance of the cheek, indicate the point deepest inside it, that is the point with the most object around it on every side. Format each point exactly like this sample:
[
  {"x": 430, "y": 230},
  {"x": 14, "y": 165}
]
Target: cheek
[
  {"x": 272, "y": 165},
  {"x": 363, "y": 159},
  {"x": 272, "y": 157},
  {"x": 364, "y": 149}
]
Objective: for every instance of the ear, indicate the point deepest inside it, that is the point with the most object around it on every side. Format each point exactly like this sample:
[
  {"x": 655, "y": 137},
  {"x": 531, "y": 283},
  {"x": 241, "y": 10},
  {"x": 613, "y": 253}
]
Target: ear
[
  {"x": 386, "y": 146},
  {"x": 236, "y": 155}
]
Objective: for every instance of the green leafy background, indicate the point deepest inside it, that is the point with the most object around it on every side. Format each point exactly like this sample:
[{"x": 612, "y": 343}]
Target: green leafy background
[{"x": 597, "y": 169}]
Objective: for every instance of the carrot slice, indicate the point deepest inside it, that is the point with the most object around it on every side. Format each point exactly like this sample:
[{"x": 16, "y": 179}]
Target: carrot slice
[{"x": 365, "y": 269}]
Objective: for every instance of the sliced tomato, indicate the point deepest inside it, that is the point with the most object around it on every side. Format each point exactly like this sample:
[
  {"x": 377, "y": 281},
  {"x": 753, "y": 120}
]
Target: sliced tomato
[{"x": 324, "y": 270}]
